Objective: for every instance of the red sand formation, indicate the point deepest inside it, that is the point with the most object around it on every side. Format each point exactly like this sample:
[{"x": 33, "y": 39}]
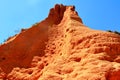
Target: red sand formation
[{"x": 61, "y": 48}]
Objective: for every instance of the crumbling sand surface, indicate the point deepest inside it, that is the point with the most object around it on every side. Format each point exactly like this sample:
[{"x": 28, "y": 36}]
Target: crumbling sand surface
[{"x": 61, "y": 47}]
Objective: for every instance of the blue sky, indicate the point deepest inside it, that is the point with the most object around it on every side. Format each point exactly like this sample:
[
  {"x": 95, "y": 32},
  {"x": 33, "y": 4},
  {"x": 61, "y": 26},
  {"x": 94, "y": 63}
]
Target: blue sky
[{"x": 17, "y": 14}]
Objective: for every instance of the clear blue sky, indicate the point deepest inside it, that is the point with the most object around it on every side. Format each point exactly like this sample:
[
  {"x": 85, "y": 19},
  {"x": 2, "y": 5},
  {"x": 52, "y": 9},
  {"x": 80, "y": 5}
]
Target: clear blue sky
[{"x": 17, "y": 14}]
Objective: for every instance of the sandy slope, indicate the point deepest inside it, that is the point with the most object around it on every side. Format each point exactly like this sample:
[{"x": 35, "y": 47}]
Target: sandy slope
[{"x": 61, "y": 48}]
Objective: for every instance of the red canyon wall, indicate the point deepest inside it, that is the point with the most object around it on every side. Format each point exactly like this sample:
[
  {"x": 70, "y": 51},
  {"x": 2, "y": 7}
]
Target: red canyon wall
[{"x": 61, "y": 47}]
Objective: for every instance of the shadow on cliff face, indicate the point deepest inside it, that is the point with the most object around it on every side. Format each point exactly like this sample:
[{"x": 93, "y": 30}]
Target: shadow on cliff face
[{"x": 19, "y": 50}]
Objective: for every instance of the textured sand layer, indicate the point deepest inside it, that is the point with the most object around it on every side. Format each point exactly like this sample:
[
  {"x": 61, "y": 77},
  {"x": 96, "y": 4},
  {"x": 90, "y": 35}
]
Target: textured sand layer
[{"x": 61, "y": 48}]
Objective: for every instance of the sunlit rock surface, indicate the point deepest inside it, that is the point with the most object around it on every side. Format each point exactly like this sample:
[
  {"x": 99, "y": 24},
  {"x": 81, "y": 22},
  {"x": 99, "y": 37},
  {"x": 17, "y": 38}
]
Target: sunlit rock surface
[{"x": 61, "y": 47}]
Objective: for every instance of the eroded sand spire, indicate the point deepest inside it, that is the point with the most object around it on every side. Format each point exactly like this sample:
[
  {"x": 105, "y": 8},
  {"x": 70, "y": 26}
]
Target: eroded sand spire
[{"x": 61, "y": 48}]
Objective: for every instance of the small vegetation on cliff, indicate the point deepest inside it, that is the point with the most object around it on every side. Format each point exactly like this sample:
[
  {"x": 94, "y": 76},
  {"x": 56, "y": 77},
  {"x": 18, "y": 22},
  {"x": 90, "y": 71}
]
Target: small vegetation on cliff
[
  {"x": 116, "y": 32},
  {"x": 35, "y": 24}
]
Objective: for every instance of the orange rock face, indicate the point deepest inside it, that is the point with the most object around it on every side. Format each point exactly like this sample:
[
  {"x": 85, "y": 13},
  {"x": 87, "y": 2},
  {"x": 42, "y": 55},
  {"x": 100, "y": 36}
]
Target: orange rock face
[{"x": 61, "y": 47}]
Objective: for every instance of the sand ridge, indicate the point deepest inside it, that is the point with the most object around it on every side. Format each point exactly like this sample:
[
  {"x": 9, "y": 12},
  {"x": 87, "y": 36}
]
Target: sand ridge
[{"x": 61, "y": 47}]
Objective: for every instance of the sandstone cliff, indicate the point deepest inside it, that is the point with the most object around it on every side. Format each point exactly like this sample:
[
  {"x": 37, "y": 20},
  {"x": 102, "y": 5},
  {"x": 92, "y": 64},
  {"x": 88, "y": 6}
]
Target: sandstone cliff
[{"x": 61, "y": 47}]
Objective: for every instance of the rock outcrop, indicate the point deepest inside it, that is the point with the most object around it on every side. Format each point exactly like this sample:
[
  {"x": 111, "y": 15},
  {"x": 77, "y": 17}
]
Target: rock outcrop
[{"x": 61, "y": 47}]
